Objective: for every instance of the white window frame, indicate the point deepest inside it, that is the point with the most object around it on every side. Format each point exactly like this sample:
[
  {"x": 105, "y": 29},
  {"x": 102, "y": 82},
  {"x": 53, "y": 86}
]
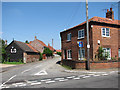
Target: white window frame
[
  {"x": 69, "y": 37},
  {"x": 80, "y": 31},
  {"x": 119, "y": 52},
  {"x": 13, "y": 50},
  {"x": 68, "y": 51},
  {"x": 83, "y": 57},
  {"x": 105, "y": 32},
  {"x": 110, "y": 53}
]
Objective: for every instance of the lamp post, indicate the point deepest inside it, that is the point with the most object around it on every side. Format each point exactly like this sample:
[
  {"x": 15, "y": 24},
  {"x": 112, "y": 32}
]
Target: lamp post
[{"x": 88, "y": 45}]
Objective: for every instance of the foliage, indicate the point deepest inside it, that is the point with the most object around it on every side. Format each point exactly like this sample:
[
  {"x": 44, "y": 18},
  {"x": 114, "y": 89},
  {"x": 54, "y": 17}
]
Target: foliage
[
  {"x": 100, "y": 54},
  {"x": 118, "y": 58},
  {"x": 48, "y": 52},
  {"x": 2, "y": 51},
  {"x": 27, "y": 42},
  {"x": 41, "y": 57},
  {"x": 59, "y": 53},
  {"x": 67, "y": 67},
  {"x": 12, "y": 62}
]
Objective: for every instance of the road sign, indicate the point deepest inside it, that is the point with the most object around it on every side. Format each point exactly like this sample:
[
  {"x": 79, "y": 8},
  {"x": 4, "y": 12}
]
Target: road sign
[{"x": 80, "y": 44}]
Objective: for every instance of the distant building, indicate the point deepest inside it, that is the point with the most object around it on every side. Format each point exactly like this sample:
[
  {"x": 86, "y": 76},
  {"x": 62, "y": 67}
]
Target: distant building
[
  {"x": 17, "y": 51},
  {"x": 38, "y": 44},
  {"x": 103, "y": 32}
]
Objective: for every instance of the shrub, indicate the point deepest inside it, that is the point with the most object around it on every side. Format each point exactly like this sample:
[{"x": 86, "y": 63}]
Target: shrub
[
  {"x": 41, "y": 57},
  {"x": 48, "y": 52},
  {"x": 59, "y": 53}
]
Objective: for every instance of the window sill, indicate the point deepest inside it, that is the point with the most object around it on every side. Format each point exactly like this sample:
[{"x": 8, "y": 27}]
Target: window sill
[
  {"x": 80, "y": 38},
  {"x": 69, "y": 58},
  {"x": 68, "y": 40},
  {"x": 106, "y": 36}
]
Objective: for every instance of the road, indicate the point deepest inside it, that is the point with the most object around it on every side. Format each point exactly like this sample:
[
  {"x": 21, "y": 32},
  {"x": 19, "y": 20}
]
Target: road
[{"x": 49, "y": 74}]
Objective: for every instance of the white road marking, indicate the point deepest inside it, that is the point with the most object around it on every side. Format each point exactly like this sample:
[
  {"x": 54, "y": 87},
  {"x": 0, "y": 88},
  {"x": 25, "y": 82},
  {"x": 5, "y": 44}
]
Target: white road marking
[
  {"x": 81, "y": 75},
  {"x": 25, "y": 71},
  {"x": 104, "y": 74},
  {"x": 19, "y": 84},
  {"x": 96, "y": 75},
  {"x": 70, "y": 77},
  {"x": 58, "y": 78},
  {"x": 63, "y": 80},
  {"x": 7, "y": 81},
  {"x": 85, "y": 76},
  {"x": 91, "y": 74},
  {"x": 35, "y": 83},
  {"x": 49, "y": 81},
  {"x": 45, "y": 80},
  {"x": 42, "y": 72},
  {"x": 38, "y": 66},
  {"x": 77, "y": 78}
]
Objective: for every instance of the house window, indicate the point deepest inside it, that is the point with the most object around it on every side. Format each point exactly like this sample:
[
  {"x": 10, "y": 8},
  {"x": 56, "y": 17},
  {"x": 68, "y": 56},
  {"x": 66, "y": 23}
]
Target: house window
[
  {"x": 81, "y": 34},
  {"x": 69, "y": 37},
  {"x": 105, "y": 32},
  {"x": 69, "y": 54},
  {"x": 81, "y": 54},
  {"x": 119, "y": 52},
  {"x": 107, "y": 51}
]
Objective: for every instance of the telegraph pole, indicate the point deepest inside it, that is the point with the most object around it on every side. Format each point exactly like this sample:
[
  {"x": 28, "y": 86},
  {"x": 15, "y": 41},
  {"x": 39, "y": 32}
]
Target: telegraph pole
[{"x": 88, "y": 45}]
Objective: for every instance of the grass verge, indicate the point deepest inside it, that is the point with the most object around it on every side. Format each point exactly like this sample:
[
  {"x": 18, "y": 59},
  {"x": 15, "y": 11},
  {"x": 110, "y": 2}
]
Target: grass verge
[
  {"x": 67, "y": 67},
  {"x": 12, "y": 63}
]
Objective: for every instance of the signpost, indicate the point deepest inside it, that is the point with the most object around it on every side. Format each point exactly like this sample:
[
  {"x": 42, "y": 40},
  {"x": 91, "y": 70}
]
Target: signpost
[{"x": 80, "y": 43}]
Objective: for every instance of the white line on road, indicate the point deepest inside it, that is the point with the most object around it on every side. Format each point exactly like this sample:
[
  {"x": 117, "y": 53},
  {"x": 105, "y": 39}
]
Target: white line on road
[
  {"x": 45, "y": 80},
  {"x": 77, "y": 78},
  {"x": 58, "y": 78},
  {"x": 38, "y": 66},
  {"x": 96, "y": 75},
  {"x": 63, "y": 80},
  {"x": 35, "y": 83},
  {"x": 7, "y": 81},
  {"x": 85, "y": 76},
  {"x": 25, "y": 71},
  {"x": 70, "y": 77},
  {"x": 49, "y": 81},
  {"x": 104, "y": 74}
]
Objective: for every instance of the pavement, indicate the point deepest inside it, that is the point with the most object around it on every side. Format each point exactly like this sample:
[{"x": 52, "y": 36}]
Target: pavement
[{"x": 49, "y": 74}]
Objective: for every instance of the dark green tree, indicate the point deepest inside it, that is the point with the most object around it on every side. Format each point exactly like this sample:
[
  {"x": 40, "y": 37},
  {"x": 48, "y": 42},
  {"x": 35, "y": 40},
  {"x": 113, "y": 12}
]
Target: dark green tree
[
  {"x": 48, "y": 52},
  {"x": 27, "y": 42},
  {"x": 41, "y": 56},
  {"x": 59, "y": 53},
  {"x": 2, "y": 51}
]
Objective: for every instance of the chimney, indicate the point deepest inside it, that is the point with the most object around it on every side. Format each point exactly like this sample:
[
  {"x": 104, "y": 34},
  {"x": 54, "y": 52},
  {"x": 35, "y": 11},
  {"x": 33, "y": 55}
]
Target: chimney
[
  {"x": 5, "y": 42},
  {"x": 48, "y": 44},
  {"x": 110, "y": 14},
  {"x": 35, "y": 37}
]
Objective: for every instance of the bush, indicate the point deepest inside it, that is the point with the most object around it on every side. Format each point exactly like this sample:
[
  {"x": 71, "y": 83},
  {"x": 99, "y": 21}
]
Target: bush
[
  {"x": 48, "y": 52},
  {"x": 59, "y": 53},
  {"x": 118, "y": 58},
  {"x": 41, "y": 57}
]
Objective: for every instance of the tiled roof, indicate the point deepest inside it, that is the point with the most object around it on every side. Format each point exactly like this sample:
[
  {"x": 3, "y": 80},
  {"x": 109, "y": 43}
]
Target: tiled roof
[
  {"x": 58, "y": 50},
  {"x": 25, "y": 47},
  {"x": 51, "y": 48},
  {"x": 99, "y": 19},
  {"x": 42, "y": 42}
]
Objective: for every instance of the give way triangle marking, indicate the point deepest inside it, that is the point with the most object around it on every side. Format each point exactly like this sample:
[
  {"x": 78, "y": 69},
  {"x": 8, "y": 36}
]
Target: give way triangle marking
[{"x": 42, "y": 72}]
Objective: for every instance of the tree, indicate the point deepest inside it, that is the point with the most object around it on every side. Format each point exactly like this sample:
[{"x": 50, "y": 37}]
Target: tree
[
  {"x": 27, "y": 42},
  {"x": 48, "y": 52},
  {"x": 59, "y": 53},
  {"x": 2, "y": 51}
]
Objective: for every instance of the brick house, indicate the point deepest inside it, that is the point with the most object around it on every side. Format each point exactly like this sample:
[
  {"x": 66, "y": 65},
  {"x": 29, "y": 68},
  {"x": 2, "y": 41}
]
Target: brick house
[
  {"x": 17, "y": 51},
  {"x": 38, "y": 44},
  {"x": 103, "y": 32}
]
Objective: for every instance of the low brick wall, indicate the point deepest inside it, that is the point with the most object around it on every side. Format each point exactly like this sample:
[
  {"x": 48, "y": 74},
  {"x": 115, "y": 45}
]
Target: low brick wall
[{"x": 93, "y": 64}]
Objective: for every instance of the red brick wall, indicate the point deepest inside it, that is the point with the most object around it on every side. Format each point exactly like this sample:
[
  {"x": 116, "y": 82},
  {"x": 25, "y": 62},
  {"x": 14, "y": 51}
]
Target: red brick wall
[
  {"x": 106, "y": 42},
  {"x": 93, "y": 65},
  {"x": 32, "y": 58}
]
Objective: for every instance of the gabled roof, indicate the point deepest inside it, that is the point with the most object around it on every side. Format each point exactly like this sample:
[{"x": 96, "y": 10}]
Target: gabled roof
[
  {"x": 58, "y": 50},
  {"x": 41, "y": 42},
  {"x": 98, "y": 19},
  {"x": 51, "y": 48},
  {"x": 25, "y": 47}
]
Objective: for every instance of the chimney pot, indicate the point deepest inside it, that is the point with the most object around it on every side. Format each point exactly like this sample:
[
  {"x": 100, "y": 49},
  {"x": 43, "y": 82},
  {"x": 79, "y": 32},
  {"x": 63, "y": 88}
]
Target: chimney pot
[
  {"x": 35, "y": 37},
  {"x": 110, "y": 9},
  {"x": 107, "y": 10}
]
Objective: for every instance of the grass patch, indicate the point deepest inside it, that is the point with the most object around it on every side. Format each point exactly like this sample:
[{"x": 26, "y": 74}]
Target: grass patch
[
  {"x": 67, "y": 67},
  {"x": 13, "y": 63}
]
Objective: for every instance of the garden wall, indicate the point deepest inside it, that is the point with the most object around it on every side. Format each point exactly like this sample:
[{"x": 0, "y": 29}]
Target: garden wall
[{"x": 93, "y": 64}]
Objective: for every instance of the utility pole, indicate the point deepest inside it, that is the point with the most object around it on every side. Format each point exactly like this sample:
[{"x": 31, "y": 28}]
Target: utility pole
[{"x": 88, "y": 45}]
